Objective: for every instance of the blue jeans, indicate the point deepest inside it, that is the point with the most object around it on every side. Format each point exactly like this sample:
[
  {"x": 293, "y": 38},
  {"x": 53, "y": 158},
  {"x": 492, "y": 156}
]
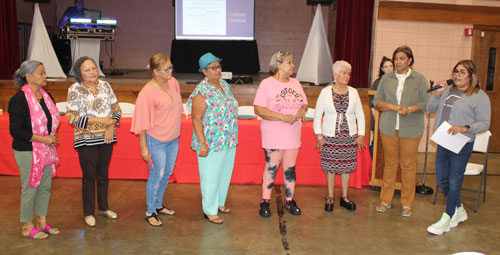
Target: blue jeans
[
  {"x": 450, "y": 169},
  {"x": 164, "y": 155}
]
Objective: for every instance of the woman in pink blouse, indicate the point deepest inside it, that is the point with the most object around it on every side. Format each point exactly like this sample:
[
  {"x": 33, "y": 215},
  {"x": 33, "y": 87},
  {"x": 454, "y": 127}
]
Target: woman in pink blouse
[
  {"x": 157, "y": 120},
  {"x": 282, "y": 104}
]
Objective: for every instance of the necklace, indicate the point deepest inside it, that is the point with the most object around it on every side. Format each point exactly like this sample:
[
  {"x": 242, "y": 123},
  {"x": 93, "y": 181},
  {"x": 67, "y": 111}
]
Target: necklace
[{"x": 164, "y": 89}]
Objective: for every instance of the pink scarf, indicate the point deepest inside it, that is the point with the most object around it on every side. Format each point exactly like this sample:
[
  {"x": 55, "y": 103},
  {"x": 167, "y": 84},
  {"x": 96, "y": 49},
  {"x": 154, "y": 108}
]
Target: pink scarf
[{"x": 43, "y": 155}]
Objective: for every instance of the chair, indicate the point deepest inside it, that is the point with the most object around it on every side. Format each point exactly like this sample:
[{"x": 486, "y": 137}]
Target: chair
[
  {"x": 481, "y": 145},
  {"x": 61, "y": 107},
  {"x": 185, "y": 111},
  {"x": 246, "y": 111},
  {"x": 127, "y": 109}
]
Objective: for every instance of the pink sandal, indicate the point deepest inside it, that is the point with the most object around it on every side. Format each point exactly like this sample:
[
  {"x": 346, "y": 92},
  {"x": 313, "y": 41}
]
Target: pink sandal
[
  {"x": 35, "y": 233},
  {"x": 51, "y": 230}
]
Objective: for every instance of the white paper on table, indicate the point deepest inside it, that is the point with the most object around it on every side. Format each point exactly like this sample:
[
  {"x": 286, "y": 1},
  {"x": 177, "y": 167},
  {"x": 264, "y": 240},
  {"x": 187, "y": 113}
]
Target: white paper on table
[{"x": 451, "y": 142}]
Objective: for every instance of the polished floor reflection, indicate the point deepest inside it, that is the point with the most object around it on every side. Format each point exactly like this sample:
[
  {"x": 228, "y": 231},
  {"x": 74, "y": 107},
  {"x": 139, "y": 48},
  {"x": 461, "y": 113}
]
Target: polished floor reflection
[{"x": 364, "y": 231}]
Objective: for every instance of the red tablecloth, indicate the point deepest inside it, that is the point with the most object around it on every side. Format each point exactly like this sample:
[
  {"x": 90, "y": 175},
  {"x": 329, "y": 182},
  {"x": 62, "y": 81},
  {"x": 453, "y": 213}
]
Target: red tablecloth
[{"x": 126, "y": 162}]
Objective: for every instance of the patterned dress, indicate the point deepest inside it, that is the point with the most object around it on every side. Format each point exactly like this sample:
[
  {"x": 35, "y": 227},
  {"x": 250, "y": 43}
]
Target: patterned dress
[{"x": 338, "y": 154}]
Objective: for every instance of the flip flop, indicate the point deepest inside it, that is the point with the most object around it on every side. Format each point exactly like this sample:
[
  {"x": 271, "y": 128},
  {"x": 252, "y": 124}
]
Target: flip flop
[
  {"x": 51, "y": 230},
  {"x": 156, "y": 217},
  {"x": 159, "y": 211},
  {"x": 35, "y": 233}
]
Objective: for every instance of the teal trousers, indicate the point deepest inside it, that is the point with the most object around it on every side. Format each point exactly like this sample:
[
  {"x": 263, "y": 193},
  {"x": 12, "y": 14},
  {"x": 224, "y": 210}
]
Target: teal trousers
[{"x": 215, "y": 175}]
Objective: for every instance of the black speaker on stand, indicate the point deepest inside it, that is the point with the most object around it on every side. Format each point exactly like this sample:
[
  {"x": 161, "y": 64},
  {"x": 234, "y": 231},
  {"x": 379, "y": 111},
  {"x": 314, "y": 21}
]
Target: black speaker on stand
[{"x": 62, "y": 48}]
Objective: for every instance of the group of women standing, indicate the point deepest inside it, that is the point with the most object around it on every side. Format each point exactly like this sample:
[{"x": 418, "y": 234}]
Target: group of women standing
[{"x": 339, "y": 126}]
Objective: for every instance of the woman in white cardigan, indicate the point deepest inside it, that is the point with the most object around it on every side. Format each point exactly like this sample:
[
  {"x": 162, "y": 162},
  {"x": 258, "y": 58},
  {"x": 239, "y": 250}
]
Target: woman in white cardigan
[{"x": 339, "y": 125}]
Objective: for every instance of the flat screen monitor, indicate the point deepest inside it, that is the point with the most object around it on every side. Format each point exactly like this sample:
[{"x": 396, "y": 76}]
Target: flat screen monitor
[
  {"x": 214, "y": 19},
  {"x": 93, "y": 14}
]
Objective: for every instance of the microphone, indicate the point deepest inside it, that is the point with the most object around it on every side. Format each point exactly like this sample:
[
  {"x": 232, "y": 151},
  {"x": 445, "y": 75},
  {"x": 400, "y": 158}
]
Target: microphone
[{"x": 449, "y": 82}]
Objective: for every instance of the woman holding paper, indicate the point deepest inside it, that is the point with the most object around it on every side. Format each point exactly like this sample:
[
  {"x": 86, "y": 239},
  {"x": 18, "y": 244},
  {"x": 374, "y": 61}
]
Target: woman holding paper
[
  {"x": 467, "y": 109},
  {"x": 401, "y": 97}
]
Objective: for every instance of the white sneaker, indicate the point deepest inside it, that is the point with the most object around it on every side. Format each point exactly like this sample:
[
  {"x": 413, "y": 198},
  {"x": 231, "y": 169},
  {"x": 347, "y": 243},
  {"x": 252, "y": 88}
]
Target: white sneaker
[
  {"x": 440, "y": 227},
  {"x": 460, "y": 215}
]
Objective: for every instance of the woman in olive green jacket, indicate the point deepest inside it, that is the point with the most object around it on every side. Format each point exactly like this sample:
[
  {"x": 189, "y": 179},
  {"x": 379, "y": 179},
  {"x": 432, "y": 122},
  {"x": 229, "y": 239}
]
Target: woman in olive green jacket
[{"x": 402, "y": 98}]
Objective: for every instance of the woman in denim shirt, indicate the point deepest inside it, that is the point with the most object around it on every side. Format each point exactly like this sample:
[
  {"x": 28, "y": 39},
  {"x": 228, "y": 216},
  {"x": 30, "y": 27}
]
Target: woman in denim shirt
[
  {"x": 214, "y": 112},
  {"x": 467, "y": 108}
]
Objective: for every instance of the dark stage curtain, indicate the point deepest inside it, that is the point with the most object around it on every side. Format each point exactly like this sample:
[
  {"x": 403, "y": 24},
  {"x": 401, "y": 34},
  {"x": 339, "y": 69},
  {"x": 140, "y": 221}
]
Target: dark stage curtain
[
  {"x": 9, "y": 41},
  {"x": 353, "y": 38}
]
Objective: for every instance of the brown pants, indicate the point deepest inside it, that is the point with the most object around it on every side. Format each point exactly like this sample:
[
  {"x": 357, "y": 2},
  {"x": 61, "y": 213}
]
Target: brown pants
[{"x": 401, "y": 152}]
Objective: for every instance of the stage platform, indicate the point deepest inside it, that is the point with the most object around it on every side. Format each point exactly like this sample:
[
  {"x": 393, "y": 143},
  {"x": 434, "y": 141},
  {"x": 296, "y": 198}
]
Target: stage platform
[{"x": 128, "y": 85}]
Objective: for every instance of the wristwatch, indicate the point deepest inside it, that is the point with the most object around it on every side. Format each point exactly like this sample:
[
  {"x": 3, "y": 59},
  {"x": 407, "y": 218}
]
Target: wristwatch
[{"x": 467, "y": 127}]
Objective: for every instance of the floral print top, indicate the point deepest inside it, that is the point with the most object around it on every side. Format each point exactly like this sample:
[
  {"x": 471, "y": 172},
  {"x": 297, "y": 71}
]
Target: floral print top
[
  {"x": 220, "y": 122},
  {"x": 82, "y": 104}
]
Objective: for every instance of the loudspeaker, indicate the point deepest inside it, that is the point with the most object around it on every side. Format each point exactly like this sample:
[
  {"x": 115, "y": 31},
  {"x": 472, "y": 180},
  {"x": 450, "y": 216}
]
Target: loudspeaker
[
  {"x": 62, "y": 47},
  {"x": 319, "y": 1}
]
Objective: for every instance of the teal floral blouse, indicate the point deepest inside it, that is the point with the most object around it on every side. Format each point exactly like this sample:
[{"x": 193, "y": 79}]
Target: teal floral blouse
[{"x": 220, "y": 122}]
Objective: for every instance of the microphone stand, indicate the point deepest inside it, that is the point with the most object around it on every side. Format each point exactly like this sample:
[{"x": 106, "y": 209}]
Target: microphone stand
[{"x": 422, "y": 189}]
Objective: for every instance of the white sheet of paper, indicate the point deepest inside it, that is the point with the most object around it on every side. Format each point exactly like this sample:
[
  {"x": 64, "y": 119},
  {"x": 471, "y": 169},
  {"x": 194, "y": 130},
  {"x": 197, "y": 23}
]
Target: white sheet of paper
[{"x": 451, "y": 142}]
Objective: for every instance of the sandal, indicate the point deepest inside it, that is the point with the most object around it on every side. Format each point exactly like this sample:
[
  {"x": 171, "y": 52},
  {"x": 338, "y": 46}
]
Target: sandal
[
  {"x": 406, "y": 211},
  {"x": 382, "y": 207},
  {"x": 51, "y": 230},
  {"x": 215, "y": 219},
  {"x": 35, "y": 233},
  {"x": 161, "y": 211},
  {"x": 224, "y": 209},
  {"x": 156, "y": 218}
]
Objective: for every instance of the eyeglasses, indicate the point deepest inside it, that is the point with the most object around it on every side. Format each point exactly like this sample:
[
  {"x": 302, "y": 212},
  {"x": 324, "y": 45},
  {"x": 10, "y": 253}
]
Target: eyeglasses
[
  {"x": 170, "y": 68},
  {"x": 461, "y": 72},
  {"x": 214, "y": 68}
]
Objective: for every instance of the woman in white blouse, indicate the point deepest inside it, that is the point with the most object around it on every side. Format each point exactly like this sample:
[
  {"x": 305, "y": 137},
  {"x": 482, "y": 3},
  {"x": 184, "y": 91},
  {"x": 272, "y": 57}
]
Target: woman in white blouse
[{"x": 339, "y": 125}]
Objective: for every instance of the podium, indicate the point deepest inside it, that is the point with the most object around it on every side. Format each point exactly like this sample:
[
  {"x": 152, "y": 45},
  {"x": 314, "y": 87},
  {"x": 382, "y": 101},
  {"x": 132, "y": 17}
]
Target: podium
[{"x": 81, "y": 47}]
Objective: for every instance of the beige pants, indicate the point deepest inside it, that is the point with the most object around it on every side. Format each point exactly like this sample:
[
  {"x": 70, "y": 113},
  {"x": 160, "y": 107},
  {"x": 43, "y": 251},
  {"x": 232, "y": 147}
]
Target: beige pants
[{"x": 401, "y": 152}]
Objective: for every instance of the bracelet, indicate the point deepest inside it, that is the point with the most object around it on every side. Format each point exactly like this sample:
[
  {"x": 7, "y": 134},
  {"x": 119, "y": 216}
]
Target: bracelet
[
  {"x": 203, "y": 144},
  {"x": 282, "y": 118},
  {"x": 409, "y": 110},
  {"x": 319, "y": 138}
]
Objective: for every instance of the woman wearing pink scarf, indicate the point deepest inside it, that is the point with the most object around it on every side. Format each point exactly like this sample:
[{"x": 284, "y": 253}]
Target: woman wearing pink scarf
[{"x": 34, "y": 120}]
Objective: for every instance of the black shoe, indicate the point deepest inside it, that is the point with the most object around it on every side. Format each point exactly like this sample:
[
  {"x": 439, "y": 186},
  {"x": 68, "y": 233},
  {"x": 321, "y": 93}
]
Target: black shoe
[
  {"x": 348, "y": 205},
  {"x": 329, "y": 204},
  {"x": 264, "y": 208},
  {"x": 292, "y": 207}
]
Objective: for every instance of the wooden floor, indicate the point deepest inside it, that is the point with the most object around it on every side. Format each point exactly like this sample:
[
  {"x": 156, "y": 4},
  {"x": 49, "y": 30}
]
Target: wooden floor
[{"x": 244, "y": 231}]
